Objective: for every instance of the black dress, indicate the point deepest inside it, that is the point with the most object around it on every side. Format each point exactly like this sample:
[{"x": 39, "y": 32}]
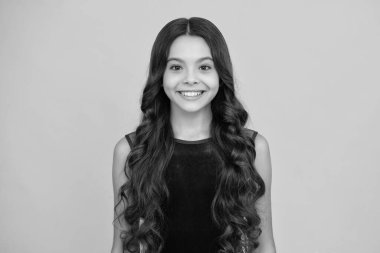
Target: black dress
[{"x": 191, "y": 179}]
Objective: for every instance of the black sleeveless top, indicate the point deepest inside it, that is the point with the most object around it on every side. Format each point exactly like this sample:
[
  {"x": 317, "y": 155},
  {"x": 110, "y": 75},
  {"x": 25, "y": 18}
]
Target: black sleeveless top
[{"x": 191, "y": 179}]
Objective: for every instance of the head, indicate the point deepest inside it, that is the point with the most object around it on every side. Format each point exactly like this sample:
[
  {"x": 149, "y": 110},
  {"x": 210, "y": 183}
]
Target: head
[
  {"x": 190, "y": 79},
  {"x": 190, "y": 54}
]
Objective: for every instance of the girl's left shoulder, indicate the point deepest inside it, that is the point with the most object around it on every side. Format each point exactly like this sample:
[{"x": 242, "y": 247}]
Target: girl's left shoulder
[
  {"x": 262, "y": 161},
  {"x": 261, "y": 147},
  {"x": 260, "y": 141}
]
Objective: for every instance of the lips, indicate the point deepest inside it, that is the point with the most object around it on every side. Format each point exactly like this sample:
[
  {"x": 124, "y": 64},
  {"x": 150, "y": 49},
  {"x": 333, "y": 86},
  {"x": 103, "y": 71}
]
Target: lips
[{"x": 191, "y": 93}]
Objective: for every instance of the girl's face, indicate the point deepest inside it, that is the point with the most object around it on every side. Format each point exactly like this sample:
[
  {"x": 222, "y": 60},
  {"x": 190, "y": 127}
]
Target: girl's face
[{"x": 190, "y": 79}]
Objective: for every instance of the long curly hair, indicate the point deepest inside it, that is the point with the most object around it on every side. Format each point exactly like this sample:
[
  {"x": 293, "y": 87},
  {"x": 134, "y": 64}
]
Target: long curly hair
[{"x": 238, "y": 184}]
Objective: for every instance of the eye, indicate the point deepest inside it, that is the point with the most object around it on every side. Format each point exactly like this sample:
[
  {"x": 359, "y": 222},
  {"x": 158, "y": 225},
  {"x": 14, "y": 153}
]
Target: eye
[
  {"x": 205, "y": 67},
  {"x": 175, "y": 67}
]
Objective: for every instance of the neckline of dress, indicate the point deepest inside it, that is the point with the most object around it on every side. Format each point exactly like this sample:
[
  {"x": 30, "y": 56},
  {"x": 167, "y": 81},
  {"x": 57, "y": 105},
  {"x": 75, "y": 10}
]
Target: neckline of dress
[{"x": 192, "y": 142}]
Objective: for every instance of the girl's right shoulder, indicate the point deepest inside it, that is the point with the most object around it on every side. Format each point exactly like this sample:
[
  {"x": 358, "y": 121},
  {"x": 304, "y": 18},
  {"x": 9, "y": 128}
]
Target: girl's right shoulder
[
  {"x": 123, "y": 146},
  {"x": 130, "y": 137}
]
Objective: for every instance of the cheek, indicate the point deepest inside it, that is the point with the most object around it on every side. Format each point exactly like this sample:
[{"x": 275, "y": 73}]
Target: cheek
[
  {"x": 212, "y": 81},
  {"x": 170, "y": 80}
]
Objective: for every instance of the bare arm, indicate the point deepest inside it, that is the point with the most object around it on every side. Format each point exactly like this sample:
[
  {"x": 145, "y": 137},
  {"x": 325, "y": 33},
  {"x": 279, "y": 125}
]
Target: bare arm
[
  {"x": 264, "y": 168},
  {"x": 120, "y": 154}
]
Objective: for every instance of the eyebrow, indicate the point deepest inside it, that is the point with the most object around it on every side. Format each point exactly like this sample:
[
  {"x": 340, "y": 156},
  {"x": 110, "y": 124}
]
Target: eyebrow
[{"x": 199, "y": 60}]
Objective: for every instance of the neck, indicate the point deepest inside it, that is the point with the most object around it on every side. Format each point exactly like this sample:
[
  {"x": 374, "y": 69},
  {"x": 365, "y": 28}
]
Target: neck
[{"x": 191, "y": 125}]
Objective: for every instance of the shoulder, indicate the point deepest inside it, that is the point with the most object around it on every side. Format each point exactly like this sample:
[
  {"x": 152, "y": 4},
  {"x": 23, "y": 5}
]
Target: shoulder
[
  {"x": 122, "y": 147},
  {"x": 124, "y": 144},
  {"x": 262, "y": 160},
  {"x": 120, "y": 155},
  {"x": 130, "y": 137},
  {"x": 261, "y": 144}
]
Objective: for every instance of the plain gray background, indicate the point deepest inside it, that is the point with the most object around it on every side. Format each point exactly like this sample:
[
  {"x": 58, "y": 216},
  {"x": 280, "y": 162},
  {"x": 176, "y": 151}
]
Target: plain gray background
[{"x": 72, "y": 73}]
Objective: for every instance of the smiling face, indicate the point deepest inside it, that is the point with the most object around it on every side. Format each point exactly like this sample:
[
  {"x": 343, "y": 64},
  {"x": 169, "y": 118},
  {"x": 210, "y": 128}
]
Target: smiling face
[{"x": 190, "y": 79}]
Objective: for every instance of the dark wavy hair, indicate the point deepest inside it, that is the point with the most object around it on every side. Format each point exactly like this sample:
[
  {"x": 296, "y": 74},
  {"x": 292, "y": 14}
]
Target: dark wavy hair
[{"x": 238, "y": 186}]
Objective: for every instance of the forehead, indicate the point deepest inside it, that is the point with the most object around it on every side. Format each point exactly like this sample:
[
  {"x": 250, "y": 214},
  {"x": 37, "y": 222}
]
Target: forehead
[{"x": 189, "y": 47}]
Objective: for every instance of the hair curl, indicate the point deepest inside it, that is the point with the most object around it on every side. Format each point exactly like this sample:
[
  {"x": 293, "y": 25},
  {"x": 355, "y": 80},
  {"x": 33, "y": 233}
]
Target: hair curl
[{"x": 239, "y": 185}]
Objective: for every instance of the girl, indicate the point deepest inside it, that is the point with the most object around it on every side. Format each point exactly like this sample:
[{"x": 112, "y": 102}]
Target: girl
[{"x": 191, "y": 177}]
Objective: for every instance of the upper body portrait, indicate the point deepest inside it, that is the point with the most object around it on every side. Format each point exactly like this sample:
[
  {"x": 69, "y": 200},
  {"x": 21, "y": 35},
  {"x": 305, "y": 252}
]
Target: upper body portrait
[{"x": 192, "y": 177}]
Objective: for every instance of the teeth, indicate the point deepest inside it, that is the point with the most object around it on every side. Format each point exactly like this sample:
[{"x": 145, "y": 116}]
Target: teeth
[{"x": 190, "y": 93}]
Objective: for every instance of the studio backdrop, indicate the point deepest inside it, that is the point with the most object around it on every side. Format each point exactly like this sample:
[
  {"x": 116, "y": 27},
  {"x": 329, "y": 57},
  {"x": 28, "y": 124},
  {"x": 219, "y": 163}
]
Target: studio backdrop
[{"x": 71, "y": 78}]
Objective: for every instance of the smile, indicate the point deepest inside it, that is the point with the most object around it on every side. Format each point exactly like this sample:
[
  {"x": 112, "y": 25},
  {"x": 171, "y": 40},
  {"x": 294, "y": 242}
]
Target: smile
[{"x": 191, "y": 94}]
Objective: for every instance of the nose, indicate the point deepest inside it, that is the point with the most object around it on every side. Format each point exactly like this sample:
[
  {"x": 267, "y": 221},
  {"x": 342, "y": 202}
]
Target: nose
[
  {"x": 190, "y": 78},
  {"x": 190, "y": 82}
]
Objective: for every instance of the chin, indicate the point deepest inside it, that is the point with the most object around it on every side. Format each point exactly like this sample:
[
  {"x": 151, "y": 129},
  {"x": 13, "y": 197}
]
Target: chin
[{"x": 192, "y": 109}]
